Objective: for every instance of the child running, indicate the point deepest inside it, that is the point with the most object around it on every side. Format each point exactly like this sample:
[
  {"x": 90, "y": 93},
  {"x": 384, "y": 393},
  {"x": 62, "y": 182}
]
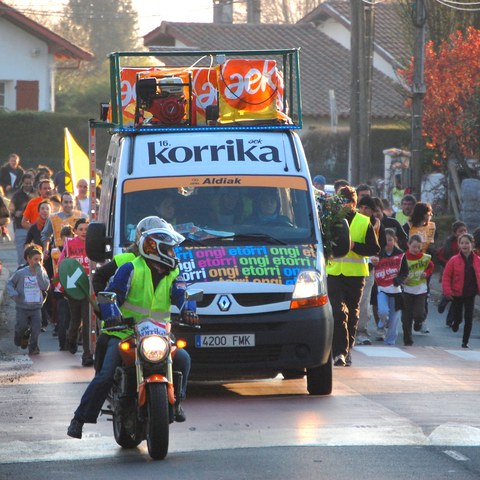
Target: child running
[
  {"x": 79, "y": 309},
  {"x": 460, "y": 283},
  {"x": 28, "y": 287},
  {"x": 391, "y": 270},
  {"x": 420, "y": 268}
]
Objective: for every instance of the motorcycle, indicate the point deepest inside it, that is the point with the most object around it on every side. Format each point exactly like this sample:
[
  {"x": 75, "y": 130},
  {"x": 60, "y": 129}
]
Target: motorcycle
[{"x": 145, "y": 390}]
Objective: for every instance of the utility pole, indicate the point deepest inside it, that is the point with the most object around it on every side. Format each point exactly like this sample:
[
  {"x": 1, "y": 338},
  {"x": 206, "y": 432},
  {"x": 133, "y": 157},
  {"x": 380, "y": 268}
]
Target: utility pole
[
  {"x": 419, "y": 16},
  {"x": 361, "y": 49},
  {"x": 354, "y": 157}
]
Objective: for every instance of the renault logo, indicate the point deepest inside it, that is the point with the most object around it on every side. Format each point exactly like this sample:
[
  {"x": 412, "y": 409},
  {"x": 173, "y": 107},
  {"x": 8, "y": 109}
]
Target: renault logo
[{"x": 224, "y": 303}]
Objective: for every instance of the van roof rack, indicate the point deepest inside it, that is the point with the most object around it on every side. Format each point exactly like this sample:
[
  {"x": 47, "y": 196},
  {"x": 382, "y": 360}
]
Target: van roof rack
[{"x": 207, "y": 90}]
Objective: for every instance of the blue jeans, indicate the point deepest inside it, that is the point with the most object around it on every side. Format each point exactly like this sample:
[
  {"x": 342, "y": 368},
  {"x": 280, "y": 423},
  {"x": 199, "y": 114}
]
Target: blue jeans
[
  {"x": 97, "y": 391},
  {"x": 389, "y": 316}
]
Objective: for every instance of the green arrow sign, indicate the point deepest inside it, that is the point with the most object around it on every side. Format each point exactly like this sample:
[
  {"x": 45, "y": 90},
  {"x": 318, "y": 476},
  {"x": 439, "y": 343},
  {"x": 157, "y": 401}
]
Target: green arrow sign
[{"x": 74, "y": 279}]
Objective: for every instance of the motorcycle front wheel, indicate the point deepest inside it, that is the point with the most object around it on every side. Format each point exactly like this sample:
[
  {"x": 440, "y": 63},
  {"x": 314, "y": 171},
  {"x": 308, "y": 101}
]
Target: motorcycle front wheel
[{"x": 157, "y": 420}]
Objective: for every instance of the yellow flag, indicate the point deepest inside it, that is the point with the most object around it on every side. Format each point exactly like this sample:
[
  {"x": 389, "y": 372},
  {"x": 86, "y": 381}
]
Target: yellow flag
[{"x": 77, "y": 163}]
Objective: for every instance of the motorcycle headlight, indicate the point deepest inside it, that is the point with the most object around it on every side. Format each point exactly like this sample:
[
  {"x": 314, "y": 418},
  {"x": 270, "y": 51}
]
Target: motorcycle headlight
[{"x": 154, "y": 349}]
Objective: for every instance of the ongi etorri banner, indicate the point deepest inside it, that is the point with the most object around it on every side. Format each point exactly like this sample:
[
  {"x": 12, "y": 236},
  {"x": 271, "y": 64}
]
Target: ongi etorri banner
[{"x": 245, "y": 263}]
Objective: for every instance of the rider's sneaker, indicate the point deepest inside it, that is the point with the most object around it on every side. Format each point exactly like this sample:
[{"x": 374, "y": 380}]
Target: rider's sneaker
[
  {"x": 179, "y": 414},
  {"x": 75, "y": 428},
  {"x": 87, "y": 361}
]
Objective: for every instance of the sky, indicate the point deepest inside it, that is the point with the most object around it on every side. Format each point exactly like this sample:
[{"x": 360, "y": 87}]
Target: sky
[{"x": 150, "y": 12}]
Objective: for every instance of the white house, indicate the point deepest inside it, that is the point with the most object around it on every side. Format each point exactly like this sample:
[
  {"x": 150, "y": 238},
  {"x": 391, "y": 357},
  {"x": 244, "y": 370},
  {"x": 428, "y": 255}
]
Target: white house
[
  {"x": 391, "y": 48},
  {"x": 29, "y": 56}
]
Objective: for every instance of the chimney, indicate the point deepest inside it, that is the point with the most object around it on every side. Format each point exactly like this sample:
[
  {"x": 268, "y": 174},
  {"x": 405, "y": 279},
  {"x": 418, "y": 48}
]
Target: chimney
[
  {"x": 253, "y": 11},
  {"x": 222, "y": 11}
]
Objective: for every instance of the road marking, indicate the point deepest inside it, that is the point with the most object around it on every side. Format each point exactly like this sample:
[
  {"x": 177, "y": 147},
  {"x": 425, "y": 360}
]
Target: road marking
[
  {"x": 390, "y": 352},
  {"x": 456, "y": 455},
  {"x": 455, "y": 435},
  {"x": 472, "y": 356},
  {"x": 94, "y": 445}
]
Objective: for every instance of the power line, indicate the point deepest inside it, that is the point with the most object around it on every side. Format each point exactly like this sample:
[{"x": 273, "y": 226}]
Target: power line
[{"x": 453, "y": 6}]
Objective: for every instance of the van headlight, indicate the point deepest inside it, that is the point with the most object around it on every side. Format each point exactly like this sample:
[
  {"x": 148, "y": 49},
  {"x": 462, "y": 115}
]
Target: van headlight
[
  {"x": 310, "y": 290},
  {"x": 154, "y": 349}
]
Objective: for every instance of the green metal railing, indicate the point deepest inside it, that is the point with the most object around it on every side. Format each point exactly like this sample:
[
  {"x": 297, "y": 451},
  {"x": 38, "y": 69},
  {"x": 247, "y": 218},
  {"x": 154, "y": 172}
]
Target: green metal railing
[{"x": 289, "y": 66}]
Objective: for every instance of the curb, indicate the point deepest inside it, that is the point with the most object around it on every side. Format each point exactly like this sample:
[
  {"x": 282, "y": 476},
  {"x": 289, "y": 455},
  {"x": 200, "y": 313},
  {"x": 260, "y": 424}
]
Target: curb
[{"x": 4, "y": 276}]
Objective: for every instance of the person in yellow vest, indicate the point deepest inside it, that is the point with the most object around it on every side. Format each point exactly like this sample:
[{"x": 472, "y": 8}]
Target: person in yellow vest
[
  {"x": 406, "y": 208},
  {"x": 346, "y": 279},
  {"x": 420, "y": 224},
  {"x": 145, "y": 288},
  {"x": 104, "y": 273}
]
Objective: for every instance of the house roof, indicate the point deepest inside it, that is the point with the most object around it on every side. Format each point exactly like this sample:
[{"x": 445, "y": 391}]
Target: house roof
[
  {"x": 324, "y": 64},
  {"x": 60, "y": 47},
  {"x": 390, "y": 38}
]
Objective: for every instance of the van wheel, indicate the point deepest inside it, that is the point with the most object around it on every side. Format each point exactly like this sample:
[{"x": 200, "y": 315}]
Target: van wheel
[
  {"x": 320, "y": 379},
  {"x": 96, "y": 242}
]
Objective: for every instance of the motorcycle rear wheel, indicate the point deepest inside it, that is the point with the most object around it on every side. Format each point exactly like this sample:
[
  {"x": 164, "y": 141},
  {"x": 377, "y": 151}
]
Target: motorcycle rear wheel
[
  {"x": 157, "y": 420},
  {"x": 121, "y": 434}
]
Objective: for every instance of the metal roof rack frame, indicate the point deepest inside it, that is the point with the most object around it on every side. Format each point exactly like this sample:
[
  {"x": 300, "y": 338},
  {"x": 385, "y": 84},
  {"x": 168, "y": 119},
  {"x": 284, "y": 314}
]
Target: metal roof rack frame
[{"x": 288, "y": 63}]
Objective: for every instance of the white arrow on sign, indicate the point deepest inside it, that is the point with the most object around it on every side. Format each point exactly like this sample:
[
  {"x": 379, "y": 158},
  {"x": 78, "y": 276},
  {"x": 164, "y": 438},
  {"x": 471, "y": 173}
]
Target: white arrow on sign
[{"x": 72, "y": 280}]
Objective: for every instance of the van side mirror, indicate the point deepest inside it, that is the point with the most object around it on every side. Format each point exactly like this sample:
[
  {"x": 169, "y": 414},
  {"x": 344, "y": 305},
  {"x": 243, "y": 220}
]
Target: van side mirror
[{"x": 97, "y": 244}]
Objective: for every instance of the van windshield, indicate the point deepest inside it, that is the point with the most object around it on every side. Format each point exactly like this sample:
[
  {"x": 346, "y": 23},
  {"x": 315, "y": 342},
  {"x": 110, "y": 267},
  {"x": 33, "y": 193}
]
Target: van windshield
[{"x": 210, "y": 215}]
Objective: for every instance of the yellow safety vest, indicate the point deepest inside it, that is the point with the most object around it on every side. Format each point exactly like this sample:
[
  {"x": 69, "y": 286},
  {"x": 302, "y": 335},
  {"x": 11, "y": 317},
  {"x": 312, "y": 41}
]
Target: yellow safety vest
[
  {"x": 123, "y": 258},
  {"x": 352, "y": 264},
  {"x": 142, "y": 301}
]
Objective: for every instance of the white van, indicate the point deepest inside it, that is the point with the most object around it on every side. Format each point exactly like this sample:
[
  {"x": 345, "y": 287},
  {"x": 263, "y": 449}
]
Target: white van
[{"x": 241, "y": 194}]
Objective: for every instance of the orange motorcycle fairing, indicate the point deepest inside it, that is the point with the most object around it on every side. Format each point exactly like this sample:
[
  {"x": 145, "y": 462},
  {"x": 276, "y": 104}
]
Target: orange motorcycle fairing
[{"x": 156, "y": 378}]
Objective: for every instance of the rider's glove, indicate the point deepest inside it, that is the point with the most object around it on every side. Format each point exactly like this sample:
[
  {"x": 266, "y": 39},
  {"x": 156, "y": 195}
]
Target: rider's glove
[{"x": 190, "y": 317}]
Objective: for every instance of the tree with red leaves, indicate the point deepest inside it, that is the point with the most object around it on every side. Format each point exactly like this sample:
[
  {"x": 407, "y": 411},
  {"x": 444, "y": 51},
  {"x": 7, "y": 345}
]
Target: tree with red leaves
[{"x": 451, "y": 121}]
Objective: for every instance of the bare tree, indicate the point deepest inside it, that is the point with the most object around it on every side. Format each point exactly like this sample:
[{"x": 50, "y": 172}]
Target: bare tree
[
  {"x": 277, "y": 11},
  {"x": 442, "y": 20}
]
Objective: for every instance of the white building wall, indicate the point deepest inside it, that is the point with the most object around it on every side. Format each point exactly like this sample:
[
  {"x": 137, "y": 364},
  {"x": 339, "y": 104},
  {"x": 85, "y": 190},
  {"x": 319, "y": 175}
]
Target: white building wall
[
  {"x": 25, "y": 57},
  {"x": 341, "y": 35}
]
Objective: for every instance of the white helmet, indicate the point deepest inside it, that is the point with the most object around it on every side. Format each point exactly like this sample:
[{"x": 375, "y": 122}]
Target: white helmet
[
  {"x": 149, "y": 223},
  {"x": 156, "y": 245}
]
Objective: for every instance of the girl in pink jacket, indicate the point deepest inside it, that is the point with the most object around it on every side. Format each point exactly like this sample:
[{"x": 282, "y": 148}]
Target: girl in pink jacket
[{"x": 461, "y": 282}]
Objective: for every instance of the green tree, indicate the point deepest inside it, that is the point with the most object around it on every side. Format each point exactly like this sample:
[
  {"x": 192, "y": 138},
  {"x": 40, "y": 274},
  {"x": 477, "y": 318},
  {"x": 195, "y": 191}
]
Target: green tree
[{"x": 101, "y": 27}]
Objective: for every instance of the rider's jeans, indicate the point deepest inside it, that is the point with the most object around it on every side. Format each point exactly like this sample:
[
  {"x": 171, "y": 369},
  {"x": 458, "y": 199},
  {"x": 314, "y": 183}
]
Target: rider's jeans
[{"x": 97, "y": 391}]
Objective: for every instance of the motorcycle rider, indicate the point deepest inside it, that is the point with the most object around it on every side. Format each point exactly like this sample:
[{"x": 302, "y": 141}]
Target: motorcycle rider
[
  {"x": 145, "y": 287},
  {"x": 103, "y": 274}
]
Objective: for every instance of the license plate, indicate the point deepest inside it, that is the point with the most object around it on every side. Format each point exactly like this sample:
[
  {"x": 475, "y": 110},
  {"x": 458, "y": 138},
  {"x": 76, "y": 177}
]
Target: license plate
[{"x": 222, "y": 341}]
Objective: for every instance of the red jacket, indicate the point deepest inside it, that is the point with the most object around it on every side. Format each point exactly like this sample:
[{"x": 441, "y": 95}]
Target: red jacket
[{"x": 454, "y": 275}]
